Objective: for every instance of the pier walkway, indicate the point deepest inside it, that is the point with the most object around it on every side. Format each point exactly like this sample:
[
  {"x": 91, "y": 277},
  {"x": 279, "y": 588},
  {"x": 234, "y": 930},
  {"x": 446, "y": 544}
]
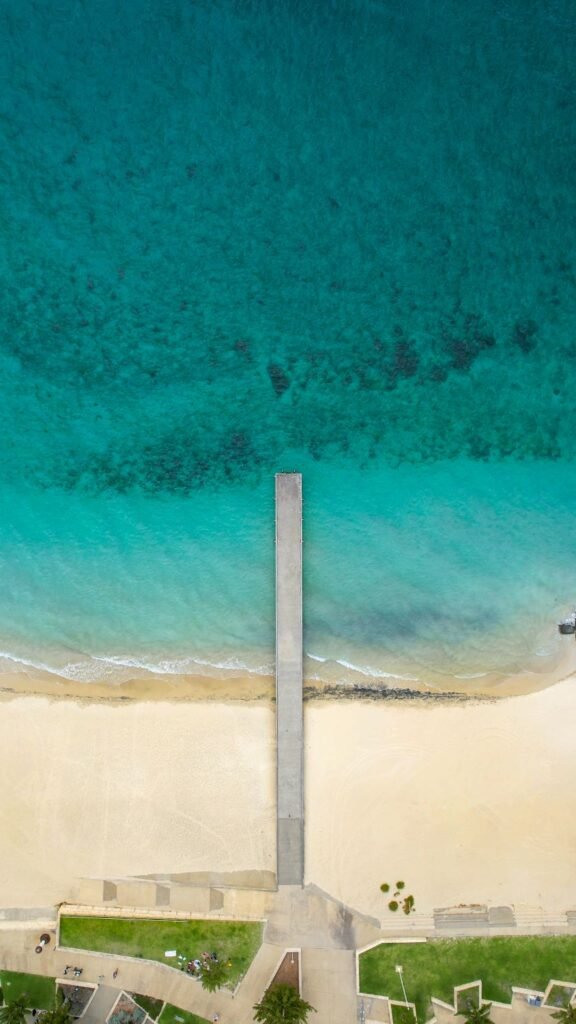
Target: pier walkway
[{"x": 289, "y": 716}]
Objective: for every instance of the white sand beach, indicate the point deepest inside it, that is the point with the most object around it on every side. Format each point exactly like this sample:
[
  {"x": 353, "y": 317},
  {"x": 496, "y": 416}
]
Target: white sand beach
[
  {"x": 107, "y": 790},
  {"x": 467, "y": 803}
]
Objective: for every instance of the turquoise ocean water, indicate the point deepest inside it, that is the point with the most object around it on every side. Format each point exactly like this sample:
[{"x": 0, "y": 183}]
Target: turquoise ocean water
[{"x": 238, "y": 237}]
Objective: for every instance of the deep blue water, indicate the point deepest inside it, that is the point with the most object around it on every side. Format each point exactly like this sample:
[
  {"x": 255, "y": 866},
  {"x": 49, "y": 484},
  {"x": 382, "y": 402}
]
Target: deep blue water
[{"x": 242, "y": 237}]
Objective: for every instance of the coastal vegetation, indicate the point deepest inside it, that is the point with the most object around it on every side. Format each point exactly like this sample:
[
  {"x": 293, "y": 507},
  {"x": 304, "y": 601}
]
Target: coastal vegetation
[
  {"x": 13, "y": 1013},
  {"x": 433, "y": 968},
  {"x": 215, "y": 974},
  {"x": 237, "y": 941},
  {"x": 282, "y": 1004},
  {"x": 567, "y": 1015},
  {"x": 34, "y": 990},
  {"x": 406, "y": 902},
  {"x": 476, "y": 1013},
  {"x": 59, "y": 1012}
]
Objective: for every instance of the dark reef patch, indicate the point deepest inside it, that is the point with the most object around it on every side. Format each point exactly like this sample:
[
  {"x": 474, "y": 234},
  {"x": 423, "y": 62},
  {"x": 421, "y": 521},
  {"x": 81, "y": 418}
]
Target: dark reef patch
[
  {"x": 465, "y": 336},
  {"x": 406, "y": 360},
  {"x": 279, "y": 378},
  {"x": 524, "y": 335},
  {"x": 212, "y": 274}
]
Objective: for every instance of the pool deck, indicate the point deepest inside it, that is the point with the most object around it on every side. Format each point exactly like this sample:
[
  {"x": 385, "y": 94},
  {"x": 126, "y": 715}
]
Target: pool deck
[{"x": 289, "y": 715}]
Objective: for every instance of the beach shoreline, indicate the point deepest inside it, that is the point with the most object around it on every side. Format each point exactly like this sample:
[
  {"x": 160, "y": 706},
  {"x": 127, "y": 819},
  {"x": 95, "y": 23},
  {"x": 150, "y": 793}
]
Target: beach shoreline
[{"x": 246, "y": 687}]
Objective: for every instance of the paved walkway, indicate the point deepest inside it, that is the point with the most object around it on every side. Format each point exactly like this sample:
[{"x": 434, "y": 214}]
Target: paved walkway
[
  {"x": 142, "y": 976},
  {"x": 289, "y": 716},
  {"x": 101, "y": 1005},
  {"x": 306, "y": 918},
  {"x": 329, "y": 984},
  {"x": 327, "y": 933}
]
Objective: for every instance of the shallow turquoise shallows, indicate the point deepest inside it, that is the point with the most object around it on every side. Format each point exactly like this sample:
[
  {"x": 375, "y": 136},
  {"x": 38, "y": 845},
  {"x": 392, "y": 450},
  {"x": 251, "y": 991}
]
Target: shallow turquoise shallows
[{"x": 240, "y": 236}]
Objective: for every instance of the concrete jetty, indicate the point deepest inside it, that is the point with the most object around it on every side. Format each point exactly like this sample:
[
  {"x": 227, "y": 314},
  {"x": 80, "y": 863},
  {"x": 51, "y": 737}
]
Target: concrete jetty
[{"x": 289, "y": 716}]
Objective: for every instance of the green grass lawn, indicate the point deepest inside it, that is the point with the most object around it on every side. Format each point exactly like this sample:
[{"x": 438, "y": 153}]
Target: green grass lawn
[
  {"x": 237, "y": 941},
  {"x": 152, "y": 1006},
  {"x": 434, "y": 968},
  {"x": 172, "y": 1015},
  {"x": 37, "y": 991}
]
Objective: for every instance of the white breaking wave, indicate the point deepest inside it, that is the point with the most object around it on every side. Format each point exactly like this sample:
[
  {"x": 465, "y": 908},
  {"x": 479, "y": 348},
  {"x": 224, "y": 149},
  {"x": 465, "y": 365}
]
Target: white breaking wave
[
  {"x": 99, "y": 667},
  {"x": 79, "y": 671},
  {"x": 363, "y": 670},
  {"x": 181, "y": 666}
]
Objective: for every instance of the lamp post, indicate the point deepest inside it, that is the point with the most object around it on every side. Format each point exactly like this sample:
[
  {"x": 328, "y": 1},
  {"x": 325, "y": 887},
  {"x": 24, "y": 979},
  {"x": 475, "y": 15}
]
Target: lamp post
[{"x": 399, "y": 971}]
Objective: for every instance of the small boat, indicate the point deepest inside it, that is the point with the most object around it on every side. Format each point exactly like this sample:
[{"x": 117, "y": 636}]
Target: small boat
[{"x": 568, "y": 625}]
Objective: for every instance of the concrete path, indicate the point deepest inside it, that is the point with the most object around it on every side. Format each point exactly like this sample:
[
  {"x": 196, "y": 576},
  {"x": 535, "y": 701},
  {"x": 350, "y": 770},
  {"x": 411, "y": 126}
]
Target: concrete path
[
  {"x": 101, "y": 1005},
  {"x": 306, "y": 918},
  {"x": 326, "y": 932},
  {"x": 141, "y": 976},
  {"x": 329, "y": 985},
  {"x": 289, "y": 714}
]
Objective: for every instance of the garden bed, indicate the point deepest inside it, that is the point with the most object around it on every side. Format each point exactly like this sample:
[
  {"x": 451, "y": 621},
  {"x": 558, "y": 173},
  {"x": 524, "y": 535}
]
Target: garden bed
[
  {"x": 288, "y": 972},
  {"x": 76, "y": 996},
  {"x": 126, "y": 1011}
]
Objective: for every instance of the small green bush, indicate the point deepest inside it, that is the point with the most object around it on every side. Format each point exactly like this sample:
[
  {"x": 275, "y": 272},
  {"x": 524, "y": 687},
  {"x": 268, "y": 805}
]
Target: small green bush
[
  {"x": 393, "y": 905},
  {"x": 408, "y": 904},
  {"x": 400, "y": 885},
  {"x": 384, "y": 887}
]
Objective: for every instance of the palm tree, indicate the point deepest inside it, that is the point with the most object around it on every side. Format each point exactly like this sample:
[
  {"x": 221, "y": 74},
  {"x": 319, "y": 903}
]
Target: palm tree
[
  {"x": 214, "y": 975},
  {"x": 282, "y": 1004},
  {"x": 13, "y": 1013},
  {"x": 567, "y": 1015},
  {"x": 474, "y": 1014},
  {"x": 60, "y": 1012}
]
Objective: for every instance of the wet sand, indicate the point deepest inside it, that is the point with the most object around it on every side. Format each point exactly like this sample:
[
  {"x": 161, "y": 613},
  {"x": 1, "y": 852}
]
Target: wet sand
[{"x": 222, "y": 685}]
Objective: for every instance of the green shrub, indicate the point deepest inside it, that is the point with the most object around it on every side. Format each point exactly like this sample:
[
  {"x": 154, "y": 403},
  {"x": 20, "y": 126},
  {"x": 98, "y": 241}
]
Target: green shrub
[
  {"x": 393, "y": 905},
  {"x": 408, "y": 904},
  {"x": 384, "y": 887}
]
